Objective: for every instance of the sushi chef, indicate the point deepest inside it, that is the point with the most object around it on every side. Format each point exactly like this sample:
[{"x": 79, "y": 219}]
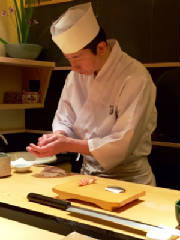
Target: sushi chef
[{"x": 106, "y": 111}]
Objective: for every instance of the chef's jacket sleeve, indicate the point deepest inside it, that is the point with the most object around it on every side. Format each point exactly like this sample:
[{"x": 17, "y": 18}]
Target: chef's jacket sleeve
[{"x": 135, "y": 123}]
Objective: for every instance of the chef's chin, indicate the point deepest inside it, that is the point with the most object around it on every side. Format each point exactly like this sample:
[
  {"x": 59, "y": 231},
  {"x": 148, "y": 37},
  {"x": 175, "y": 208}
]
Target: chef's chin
[{"x": 85, "y": 73}]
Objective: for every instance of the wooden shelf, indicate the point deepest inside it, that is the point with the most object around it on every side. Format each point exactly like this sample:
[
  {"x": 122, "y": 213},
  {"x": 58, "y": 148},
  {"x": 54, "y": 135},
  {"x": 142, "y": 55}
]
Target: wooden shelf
[
  {"x": 20, "y": 106},
  {"x": 166, "y": 144},
  {"x": 162, "y": 64},
  {"x": 62, "y": 68},
  {"x": 9, "y": 131},
  {"x": 38, "y": 131},
  {"x": 23, "y": 130},
  {"x": 49, "y": 2},
  {"x": 148, "y": 65},
  {"x": 25, "y": 62}
]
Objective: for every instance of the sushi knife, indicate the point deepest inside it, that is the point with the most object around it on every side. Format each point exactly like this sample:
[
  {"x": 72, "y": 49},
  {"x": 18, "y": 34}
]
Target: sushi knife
[{"x": 66, "y": 206}]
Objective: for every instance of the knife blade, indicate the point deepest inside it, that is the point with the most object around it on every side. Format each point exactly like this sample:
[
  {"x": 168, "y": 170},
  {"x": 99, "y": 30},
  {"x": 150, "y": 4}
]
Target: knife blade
[{"x": 66, "y": 206}]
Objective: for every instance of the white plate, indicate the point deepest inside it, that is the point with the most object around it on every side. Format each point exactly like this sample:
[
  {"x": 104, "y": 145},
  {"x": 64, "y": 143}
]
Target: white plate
[{"x": 27, "y": 158}]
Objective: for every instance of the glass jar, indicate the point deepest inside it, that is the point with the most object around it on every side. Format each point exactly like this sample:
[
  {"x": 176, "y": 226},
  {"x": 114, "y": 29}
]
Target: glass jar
[{"x": 5, "y": 165}]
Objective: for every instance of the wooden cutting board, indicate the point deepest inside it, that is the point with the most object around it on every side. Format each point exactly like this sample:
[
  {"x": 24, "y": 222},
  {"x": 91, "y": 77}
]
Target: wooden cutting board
[{"x": 95, "y": 193}]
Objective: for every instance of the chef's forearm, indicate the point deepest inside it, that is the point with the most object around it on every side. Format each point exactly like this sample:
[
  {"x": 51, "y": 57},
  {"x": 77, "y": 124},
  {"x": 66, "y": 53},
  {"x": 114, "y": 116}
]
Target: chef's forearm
[{"x": 77, "y": 145}]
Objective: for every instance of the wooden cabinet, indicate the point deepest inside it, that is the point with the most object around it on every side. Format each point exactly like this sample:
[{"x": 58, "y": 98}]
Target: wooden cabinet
[{"x": 15, "y": 76}]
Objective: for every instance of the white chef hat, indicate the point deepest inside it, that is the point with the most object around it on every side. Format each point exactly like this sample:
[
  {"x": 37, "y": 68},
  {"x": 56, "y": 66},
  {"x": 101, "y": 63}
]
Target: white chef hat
[{"x": 76, "y": 28}]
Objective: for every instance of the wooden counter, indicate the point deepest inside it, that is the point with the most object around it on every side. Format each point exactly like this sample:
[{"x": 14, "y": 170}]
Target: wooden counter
[
  {"x": 156, "y": 207},
  {"x": 18, "y": 231}
]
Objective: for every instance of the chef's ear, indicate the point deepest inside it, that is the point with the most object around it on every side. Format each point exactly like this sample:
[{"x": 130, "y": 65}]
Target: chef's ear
[{"x": 101, "y": 48}]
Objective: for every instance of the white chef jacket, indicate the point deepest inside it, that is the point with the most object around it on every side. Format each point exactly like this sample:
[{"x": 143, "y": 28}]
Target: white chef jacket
[{"x": 115, "y": 111}]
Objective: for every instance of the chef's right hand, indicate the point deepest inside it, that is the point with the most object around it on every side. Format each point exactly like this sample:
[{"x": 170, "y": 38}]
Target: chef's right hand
[
  {"x": 46, "y": 138},
  {"x": 49, "y": 145},
  {"x": 42, "y": 141}
]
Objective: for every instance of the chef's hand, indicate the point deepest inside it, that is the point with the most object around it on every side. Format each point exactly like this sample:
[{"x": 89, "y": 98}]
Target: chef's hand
[
  {"x": 49, "y": 145},
  {"x": 45, "y": 138}
]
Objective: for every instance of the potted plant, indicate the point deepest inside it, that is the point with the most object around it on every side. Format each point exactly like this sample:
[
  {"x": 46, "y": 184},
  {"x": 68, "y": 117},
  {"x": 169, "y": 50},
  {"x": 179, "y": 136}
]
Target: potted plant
[{"x": 24, "y": 21}]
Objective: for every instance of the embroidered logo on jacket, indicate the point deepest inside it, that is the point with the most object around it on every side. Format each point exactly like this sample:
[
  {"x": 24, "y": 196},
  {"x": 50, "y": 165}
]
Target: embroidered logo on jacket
[
  {"x": 115, "y": 111},
  {"x": 111, "y": 109}
]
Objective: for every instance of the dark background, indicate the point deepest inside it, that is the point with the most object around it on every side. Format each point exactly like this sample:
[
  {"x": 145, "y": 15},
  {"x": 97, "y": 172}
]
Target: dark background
[{"x": 147, "y": 30}]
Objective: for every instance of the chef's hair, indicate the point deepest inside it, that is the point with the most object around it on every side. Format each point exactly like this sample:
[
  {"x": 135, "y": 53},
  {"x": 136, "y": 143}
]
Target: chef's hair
[{"x": 100, "y": 37}]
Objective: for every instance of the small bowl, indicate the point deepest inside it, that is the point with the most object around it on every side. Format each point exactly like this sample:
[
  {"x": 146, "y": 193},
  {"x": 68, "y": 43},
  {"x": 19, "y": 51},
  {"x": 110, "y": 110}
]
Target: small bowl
[
  {"x": 22, "y": 167},
  {"x": 23, "y": 50}
]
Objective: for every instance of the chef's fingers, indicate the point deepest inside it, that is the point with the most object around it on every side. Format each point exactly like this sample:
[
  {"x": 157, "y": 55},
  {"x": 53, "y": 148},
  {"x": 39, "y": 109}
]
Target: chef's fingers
[
  {"x": 46, "y": 140},
  {"x": 41, "y": 155},
  {"x": 44, "y": 150},
  {"x": 45, "y": 136},
  {"x": 38, "y": 148},
  {"x": 38, "y": 154},
  {"x": 30, "y": 150},
  {"x": 42, "y": 138}
]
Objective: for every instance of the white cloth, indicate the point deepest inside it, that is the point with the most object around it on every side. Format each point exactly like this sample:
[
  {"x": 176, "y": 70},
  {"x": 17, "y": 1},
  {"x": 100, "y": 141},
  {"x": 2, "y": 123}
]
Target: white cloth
[{"x": 115, "y": 111}]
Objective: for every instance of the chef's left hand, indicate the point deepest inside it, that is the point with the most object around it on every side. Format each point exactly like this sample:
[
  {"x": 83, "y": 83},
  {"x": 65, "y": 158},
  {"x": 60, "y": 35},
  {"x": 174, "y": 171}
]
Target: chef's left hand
[{"x": 54, "y": 144}]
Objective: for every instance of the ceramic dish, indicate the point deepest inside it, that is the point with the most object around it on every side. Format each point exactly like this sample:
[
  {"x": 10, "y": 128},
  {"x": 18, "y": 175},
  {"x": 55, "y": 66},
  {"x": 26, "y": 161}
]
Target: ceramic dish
[
  {"x": 22, "y": 167},
  {"x": 22, "y": 161},
  {"x": 23, "y": 157}
]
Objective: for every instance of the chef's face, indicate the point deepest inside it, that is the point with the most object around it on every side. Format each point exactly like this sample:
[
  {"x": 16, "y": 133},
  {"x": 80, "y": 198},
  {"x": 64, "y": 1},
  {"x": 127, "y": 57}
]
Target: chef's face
[{"x": 85, "y": 61}]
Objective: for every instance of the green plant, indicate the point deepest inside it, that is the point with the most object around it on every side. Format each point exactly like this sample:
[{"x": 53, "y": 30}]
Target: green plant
[{"x": 23, "y": 16}]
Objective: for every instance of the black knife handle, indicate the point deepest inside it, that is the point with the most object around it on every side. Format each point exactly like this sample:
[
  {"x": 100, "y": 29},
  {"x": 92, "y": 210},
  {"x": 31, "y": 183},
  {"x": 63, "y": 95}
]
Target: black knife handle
[{"x": 52, "y": 202}]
